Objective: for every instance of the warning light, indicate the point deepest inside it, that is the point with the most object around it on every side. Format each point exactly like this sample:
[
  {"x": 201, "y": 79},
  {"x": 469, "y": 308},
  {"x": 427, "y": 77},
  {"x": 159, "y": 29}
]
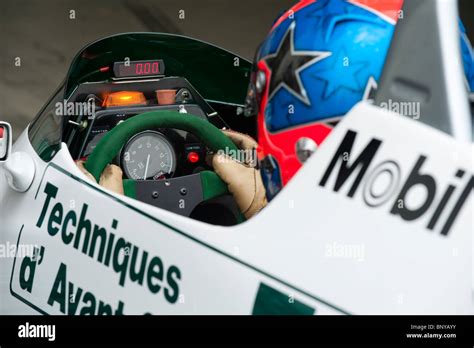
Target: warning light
[
  {"x": 124, "y": 98},
  {"x": 193, "y": 157}
]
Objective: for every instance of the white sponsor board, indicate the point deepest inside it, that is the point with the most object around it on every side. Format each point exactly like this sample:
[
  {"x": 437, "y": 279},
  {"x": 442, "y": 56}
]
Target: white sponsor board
[
  {"x": 90, "y": 260},
  {"x": 402, "y": 192}
]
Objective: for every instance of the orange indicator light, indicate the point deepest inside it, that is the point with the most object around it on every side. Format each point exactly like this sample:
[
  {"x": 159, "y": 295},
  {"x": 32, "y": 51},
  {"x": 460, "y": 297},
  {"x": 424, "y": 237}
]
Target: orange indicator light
[{"x": 124, "y": 98}]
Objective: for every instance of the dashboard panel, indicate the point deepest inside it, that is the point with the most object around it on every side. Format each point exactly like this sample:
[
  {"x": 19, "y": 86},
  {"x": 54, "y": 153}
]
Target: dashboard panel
[
  {"x": 185, "y": 152},
  {"x": 116, "y": 102}
]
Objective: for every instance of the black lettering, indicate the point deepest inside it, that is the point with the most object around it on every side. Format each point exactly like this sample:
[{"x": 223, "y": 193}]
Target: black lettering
[
  {"x": 363, "y": 161},
  {"x": 415, "y": 179},
  {"x": 58, "y": 292},
  {"x": 27, "y": 272},
  {"x": 440, "y": 208},
  {"x": 122, "y": 247},
  {"x": 465, "y": 193},
  {"x": 104, "y": 309},
  {"x": 110, "y": 245},
  {"x": 73, "y": 299},
  {"x": 155, "y": 274},
  {"x": 56, "y": 217},
  {"x": 102, "y": 233},
  {"x": 70, "y": 217},
  {"x": 51, "y": 192},
  {"x": 88, "y": 310},
  {"x": 172, "y": 294},
  {"x": 84, "y": 224},
  {"x": 138, "y": 276}
]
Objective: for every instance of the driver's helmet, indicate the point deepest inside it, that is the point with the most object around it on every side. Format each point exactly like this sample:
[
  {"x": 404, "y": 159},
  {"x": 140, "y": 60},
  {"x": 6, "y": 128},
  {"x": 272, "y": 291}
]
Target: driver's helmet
[{"x": 319, "y": 59}]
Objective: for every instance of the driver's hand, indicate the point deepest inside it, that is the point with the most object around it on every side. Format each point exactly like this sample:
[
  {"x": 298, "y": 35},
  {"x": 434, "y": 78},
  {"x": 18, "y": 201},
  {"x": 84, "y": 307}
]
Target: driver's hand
[
  {"x": 242, "y": 178},
  {"x": 110, "y": 179}
]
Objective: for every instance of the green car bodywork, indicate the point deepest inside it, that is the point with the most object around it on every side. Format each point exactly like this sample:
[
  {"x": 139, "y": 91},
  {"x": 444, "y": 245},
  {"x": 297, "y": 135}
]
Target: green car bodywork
[{"x": 219, "y": 76}]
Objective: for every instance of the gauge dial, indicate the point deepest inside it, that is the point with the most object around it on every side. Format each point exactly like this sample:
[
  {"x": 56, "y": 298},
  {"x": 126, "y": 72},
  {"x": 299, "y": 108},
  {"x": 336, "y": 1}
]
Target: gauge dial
[{"x": 148, "y": 155}]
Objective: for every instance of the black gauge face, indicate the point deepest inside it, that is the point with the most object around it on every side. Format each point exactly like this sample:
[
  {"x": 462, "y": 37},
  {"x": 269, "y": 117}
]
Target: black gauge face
[{"x": 148, "y": 155}]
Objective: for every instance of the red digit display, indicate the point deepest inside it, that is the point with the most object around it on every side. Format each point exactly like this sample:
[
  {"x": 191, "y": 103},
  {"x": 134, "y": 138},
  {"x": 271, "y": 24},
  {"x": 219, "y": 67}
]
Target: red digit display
[
  {"x": 146, "y": 69},
  {"x": 139, "y": 68}
]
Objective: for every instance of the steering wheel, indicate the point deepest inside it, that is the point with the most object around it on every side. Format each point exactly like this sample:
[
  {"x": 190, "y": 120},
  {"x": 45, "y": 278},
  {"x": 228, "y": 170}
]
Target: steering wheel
[{"x": 180, "y": 195}]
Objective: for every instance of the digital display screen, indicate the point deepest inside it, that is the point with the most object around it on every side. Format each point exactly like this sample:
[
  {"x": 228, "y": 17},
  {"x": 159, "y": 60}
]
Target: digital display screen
[{"x": 139, "y": 68}]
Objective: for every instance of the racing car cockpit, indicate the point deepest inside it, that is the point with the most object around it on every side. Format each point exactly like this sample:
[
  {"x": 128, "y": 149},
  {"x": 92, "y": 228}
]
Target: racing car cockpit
[{"x": 154, "y": 105}]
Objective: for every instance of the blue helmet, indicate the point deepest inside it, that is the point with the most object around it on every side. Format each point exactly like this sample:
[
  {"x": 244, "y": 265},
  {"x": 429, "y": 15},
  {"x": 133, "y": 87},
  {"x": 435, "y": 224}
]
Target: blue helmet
[{"x": 319, "y": 59}]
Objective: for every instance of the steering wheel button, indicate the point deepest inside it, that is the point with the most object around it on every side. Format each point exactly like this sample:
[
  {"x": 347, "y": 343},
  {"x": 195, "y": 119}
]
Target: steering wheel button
[{"x": 193, "y": 157}]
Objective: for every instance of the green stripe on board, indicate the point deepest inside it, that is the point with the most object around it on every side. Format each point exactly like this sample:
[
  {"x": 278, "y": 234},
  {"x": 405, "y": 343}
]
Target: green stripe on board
[{"x": 271, "y": 302}]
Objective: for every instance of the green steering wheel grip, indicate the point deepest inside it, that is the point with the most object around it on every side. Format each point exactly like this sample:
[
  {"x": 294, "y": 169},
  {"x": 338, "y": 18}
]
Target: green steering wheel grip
[{"x": 109, "y": 146}]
